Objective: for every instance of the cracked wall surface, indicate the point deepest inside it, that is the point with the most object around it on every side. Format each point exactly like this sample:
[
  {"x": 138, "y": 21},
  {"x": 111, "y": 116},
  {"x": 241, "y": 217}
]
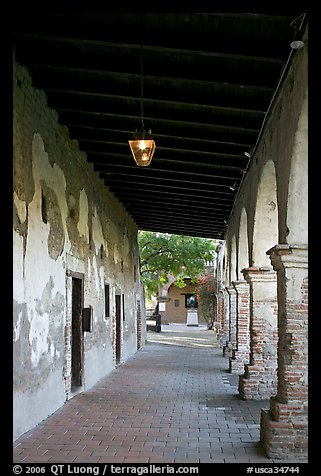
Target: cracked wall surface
[{"x": 64, "y": 221}]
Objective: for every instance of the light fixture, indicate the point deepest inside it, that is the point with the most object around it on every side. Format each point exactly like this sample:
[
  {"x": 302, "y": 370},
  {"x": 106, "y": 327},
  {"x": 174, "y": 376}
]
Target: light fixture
[
  {"x": 297, "y": 43},
  {"x": 232, "y": 187},
  {"x": 142, "y": 143},
  {"x": 249, "y": 153}
]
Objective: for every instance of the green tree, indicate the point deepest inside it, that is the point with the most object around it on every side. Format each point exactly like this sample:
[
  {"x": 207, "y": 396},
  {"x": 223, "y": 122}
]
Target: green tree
[{"x": 162, "y": 255}]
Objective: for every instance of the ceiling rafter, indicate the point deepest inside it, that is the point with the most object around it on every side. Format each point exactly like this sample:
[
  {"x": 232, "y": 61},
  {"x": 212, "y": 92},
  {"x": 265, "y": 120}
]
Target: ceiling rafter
[{"x": 151, "y": 48}]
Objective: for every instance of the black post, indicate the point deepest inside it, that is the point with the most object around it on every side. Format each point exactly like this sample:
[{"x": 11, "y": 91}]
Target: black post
[{"x": 158, "y": 323}]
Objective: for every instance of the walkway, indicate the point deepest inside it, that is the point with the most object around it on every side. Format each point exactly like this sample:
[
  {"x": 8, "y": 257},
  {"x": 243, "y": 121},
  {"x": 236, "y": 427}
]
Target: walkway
[{"x": 172, "y": 402}]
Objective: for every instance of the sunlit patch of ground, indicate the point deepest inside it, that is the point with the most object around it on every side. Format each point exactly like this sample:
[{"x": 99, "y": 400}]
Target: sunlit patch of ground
[{"x": 176, "y": 334}]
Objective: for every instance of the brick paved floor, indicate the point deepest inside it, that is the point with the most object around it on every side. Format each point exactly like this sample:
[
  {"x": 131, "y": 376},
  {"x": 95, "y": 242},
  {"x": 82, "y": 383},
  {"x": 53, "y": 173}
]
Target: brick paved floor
[{"x": 172, "y": 402}]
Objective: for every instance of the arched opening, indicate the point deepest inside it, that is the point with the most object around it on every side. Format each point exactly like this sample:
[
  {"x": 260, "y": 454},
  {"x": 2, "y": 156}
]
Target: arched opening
[
  {"x": 259, "y": 379},
  {"x": 290, "y": 259},
  {"x": 265, "y": 231},
  {"x": 233, "y": 260},
  {"x": 297, "y": 206},
  {"x": 243, "y": 245}
]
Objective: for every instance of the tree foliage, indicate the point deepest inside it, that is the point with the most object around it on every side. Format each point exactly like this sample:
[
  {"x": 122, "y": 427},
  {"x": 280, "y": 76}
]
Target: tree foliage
[{"x": 162, "y": 255}]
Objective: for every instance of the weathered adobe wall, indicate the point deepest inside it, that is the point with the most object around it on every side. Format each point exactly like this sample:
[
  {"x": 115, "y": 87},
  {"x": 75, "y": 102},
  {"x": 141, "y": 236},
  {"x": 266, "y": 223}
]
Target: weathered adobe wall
[
  {"x": 64, "y": 220},
  {"x": 284, "y": 137}
]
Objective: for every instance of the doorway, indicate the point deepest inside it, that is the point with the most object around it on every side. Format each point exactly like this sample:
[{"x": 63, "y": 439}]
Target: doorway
[
  {"x": 118, "y": 328},
  {"x": 77, "y": 347}
]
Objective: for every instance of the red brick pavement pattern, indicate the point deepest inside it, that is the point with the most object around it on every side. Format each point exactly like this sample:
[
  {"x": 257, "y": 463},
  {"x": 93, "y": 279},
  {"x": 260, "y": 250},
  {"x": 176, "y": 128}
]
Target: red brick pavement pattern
[{"x": 172, "y": 402}]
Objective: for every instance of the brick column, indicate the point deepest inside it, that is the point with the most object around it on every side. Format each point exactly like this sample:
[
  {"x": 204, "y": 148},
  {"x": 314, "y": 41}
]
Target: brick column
[
  {"x": 221, "y": 327},
  {"x": 225, "y": 318},
  {"x": 231, "y": 342},
  {"x": 259, "y": 381},
  {"x": 284, "y": 427},
  {"x": 242, "y": 352}
]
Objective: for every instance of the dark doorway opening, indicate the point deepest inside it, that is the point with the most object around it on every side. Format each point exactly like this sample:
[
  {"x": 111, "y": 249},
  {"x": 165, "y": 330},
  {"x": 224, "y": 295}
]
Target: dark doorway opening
[
  {"x": 77, "y": 334},
  {"x": 118, "y": 328}
]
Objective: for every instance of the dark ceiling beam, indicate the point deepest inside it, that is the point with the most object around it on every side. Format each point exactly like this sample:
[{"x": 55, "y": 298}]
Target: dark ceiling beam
[
  {"x": 127, "y": 196},
  {"x": 62, "y": 95},
  {"x": 189, "y": 222},
  {"x": 221, "y": 162},
  {"x": 99, "y": 150},
  {"x": 88, "y": 144},
  {"x": 165, "y": 208},
  {"x": 253, "y": 16},
  {"x": 217, "y": 97},
  {"x": 157, "y": 120},
  {"x": 196, "y": 153},
  {"x": 151, "y": 48},
  {"x": 123, "y": 76},
  {"x": 84, "y": 130},
  {"x": 166, "y": 144},
  {"x": 175, "y": 220},
  {"x": 215, "y": 210},
  {"x": 210, "y": 232},
  {"x": 167, "y": 165},
  {"x": 229, "y": 119},
  {"x": 174, "y": 171},
  {"x": 175, "y": 179},
  {"x": 145, "y": 190},
  {"x": 114, "y": 181},
  {"x": 186, "y": 229},
  {"x": 211, "y": 93},
  {"x": 210, "y": 208},
  {"x": 74, "y": 58},
  {"x": 163, "y": 130}
]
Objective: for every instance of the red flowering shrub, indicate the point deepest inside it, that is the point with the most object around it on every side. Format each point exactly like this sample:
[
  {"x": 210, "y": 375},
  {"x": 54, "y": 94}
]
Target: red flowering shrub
[{"x": 205, "y": 297}]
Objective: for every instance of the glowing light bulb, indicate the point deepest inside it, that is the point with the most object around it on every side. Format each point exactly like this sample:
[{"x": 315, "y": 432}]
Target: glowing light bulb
[{"x": 142, "y": 145}]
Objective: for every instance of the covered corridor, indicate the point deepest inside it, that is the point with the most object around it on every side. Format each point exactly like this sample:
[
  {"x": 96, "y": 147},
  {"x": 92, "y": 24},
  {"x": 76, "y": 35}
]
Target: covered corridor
[
  {"x": 172, "y": 402},
  {"x": 227, "y": 98}
]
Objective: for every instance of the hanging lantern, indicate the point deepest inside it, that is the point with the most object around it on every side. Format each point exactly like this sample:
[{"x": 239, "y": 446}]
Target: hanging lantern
[
  {"x": 143, "y": 147},
  {"x": 142, "y": 143}
]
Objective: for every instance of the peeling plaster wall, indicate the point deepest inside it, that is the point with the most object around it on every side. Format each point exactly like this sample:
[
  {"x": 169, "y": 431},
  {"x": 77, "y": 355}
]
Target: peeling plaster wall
[{"x": 64, "y": 220}]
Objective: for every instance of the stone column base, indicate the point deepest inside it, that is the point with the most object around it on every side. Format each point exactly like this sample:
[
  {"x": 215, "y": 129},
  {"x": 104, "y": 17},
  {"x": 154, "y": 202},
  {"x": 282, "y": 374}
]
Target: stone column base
[
  {"x": 255, "y": 385},
  {"x": 284, "y": 439},
  {"x": 228, "y": 349},
  {"x": 237, "y": 362}
]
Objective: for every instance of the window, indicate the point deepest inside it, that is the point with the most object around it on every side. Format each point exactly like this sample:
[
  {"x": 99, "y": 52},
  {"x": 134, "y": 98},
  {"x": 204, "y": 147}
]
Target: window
[{"x": 176, "y": 302}]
